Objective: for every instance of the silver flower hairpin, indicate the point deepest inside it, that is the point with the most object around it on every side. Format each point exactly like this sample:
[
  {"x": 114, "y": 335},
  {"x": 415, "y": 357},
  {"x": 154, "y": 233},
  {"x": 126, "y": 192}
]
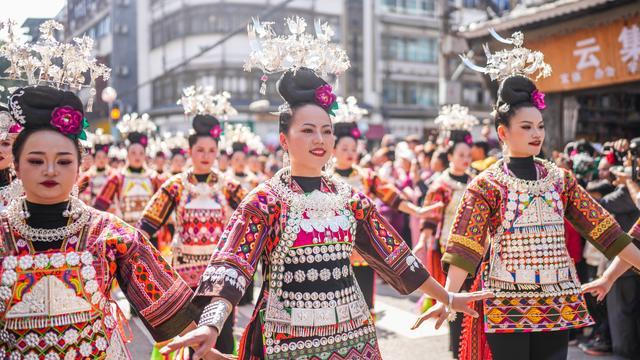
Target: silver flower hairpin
[
  {"x": 202, "y": 101},
  {"x": 348, "y": 110},
  {"x": 455, "y": 117},
  {"x": 133, "y": 122},
  {"x": 274, "y": 53},
  {"x": 62, "y": 65}
]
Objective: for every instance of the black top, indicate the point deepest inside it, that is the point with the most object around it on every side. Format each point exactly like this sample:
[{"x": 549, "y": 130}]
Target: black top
[
  {"x": 344, "y": 172},
  {"x": 201, "y": 177},
  {"x": 6, "y": 175},
  {"x": 135, "y": 170},
  {"x": 47, "y": 217},
  {"x": 464, "y": 178},
  {"x": 523, "y": 168},
  {"x": 308, "y": 183}
]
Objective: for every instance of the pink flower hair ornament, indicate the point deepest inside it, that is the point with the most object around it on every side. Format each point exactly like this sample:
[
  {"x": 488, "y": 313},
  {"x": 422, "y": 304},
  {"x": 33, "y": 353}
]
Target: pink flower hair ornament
[
  {"x": 537, "y": 98},
  {"x": 326, "y": 99},
  {"x": 69, "y": 122},
  {"x": 143, "y": 140},
  {"x": 15, "y": 128},
  {"x": 215, "y": 132},
  {"x": 355, "y": 132}
]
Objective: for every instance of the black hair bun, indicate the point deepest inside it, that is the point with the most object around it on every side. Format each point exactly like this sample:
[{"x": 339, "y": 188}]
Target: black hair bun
[
  {"x": 35, "y": 104},
  {"x": 238, "y": 146},
  {"x": 515, "y": 90},
  {"x": 203, "y": 124},
  {"x": 460, "y": 136},
  {"x": 138, "y": 138},
  {"x": 346, "y": 129},
  {"x": 298, "y": 86}
]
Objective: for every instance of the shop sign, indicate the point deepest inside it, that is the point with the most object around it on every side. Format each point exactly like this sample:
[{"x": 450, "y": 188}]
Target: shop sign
[{"x": 592, "y": 57}]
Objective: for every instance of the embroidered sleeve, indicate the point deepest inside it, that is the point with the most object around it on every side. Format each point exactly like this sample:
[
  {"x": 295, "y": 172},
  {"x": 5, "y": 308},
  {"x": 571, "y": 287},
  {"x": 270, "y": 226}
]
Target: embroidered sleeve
[
  {"x": 109, "y": 191},
  {"x": 234, "y": 193},
  {"x": 591, "y": 220},
  {"x": 385, "y": 251},
  {"x": 160, "y": 207},
  {"x": 467, "y": 240},
  {"x": 241, "y": 245},
  {"x": 83, "y": 182},
  {"x": 152, "y": 287},
  {"x": 435, "y": 217},
  {"x": 386, "y": 191}
]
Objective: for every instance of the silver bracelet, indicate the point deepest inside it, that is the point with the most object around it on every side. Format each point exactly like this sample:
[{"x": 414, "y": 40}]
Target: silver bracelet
[
  {"x": 215, "y": 314},
  {"x": 449, "y": 308}
]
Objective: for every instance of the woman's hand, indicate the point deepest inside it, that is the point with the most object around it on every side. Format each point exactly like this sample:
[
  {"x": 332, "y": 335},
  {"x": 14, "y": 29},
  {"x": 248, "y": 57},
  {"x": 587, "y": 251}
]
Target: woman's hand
[
  {"x": 425, "y": 211},
  {"x": 460, "y": 303},
  {"x": 201, "y": 339},
  {"x": 598, "y": 288}
]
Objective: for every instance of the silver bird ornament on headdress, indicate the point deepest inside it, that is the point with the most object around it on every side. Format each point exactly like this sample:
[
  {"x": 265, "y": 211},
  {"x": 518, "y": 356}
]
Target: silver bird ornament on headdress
[{"x": 508, "y": 62}]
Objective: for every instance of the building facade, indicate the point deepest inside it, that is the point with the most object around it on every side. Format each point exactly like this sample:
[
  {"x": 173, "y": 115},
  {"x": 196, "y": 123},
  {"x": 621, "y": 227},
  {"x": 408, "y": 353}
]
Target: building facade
[{"x": 403, "y": 54}]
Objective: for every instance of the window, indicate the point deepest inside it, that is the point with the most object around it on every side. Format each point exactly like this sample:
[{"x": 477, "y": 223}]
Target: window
[
  {"x": 409, "y": 7},
  {"x": 410, "y": 93},
  {"x": 221, "y": 18},
  {"x": 410, "y": 49},
  {"x": 472, "y": 94}
]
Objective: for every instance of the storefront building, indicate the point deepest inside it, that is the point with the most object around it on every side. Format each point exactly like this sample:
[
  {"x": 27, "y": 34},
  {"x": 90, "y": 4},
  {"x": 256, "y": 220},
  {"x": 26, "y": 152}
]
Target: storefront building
[{"x": 593, "y": 47}]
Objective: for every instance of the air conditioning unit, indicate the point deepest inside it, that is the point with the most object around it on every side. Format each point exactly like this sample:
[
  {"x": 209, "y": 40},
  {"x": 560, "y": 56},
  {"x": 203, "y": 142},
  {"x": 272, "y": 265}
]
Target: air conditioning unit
[{"x": 124, "y": 2}]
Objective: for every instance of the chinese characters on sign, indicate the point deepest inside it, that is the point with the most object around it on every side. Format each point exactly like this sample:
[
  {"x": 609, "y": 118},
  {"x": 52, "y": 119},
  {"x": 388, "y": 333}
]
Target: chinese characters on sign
[{"x": 596, "y": 56}]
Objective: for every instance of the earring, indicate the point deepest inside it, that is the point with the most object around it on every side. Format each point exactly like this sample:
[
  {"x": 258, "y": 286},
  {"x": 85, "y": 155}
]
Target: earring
[
  {"x": 286, "y": 162},
  {"x": 330, "y": 166},
  {"x": 25, "y": 212},
  {"x": 504, "y": 153},
  {"x": 68, "y": 212}
]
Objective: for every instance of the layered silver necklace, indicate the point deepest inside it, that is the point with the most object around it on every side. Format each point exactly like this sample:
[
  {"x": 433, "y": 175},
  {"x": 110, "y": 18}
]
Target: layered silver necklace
[{"x": 81, "y": 216}]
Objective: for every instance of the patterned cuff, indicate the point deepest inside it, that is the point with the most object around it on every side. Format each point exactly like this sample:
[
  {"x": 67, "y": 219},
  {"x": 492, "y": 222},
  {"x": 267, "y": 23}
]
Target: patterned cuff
[{"x": 215, "y": 314}]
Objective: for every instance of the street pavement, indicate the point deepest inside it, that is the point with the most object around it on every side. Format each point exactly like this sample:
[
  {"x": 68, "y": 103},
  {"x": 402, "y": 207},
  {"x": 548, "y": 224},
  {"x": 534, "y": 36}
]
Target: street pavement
[{"x": 396, "y": 314}]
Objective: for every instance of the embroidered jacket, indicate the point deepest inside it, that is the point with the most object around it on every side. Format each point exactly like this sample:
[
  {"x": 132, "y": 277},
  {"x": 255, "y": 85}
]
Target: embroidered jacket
[
  {"x": 57, "y": 303},
  {"x": 128, "y": 193},
  {"x": 201, "y": 210},
  {"x": 369, "y": 183},
  {"x": 310, "y": 302},
  {"x": 448, "y": 191},
  {"x": 91, "y": 183},
  {"x": 521, "y": 224}
]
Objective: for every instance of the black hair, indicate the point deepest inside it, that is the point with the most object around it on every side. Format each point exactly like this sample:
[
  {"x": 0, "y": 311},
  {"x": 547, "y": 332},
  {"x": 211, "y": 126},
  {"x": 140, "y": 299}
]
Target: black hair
[
  {"x": 443, "y": 156},
  {"x": 21, "y": 139},
  {"x": 36, "y": 105},
  {"x": 514, "y": 93},
  {"x": 482, "y": 145},
  {"x": 345, "y": 129},
  {"x": 202, "y": 127},
  {"x": 297, "y": 87}
]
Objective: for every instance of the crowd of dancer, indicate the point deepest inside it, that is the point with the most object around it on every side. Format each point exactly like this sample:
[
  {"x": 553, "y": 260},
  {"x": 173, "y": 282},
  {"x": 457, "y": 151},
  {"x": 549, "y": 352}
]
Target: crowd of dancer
[{"x": 183, "y": 223}]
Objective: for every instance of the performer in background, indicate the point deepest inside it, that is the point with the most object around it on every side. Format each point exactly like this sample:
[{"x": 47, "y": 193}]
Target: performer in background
[
  {"x": 9, "y": 129},
  {"x": 130, "y": 189},
  {"x": 366, "y": 181},
  {"x": 92, "y": 181},
  {"x": 454, "y": 122},
  {"x": 201, "y": 198}
]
